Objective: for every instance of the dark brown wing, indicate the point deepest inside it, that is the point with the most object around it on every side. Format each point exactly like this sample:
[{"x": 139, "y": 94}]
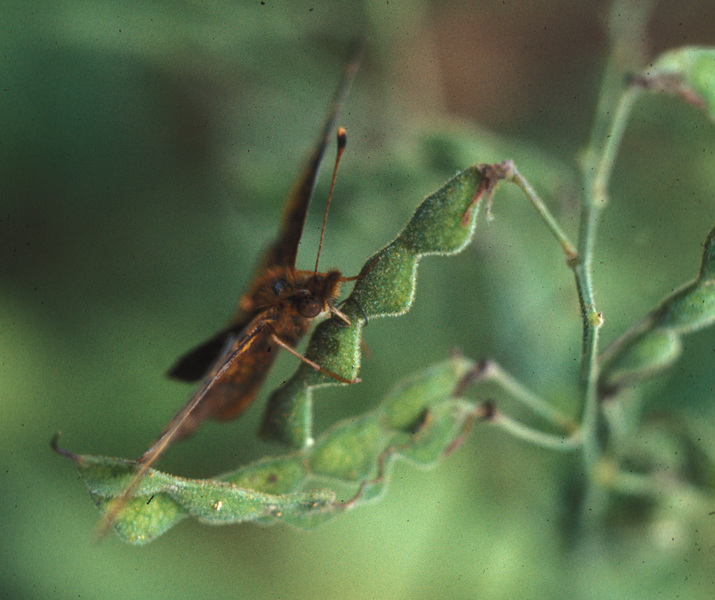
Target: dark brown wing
[
  {"x": 194, "y": 365},
  {"x": 236, "y": 356},
  {"x": 283, "y": 251},
  {"x": 230, "y": 393}
]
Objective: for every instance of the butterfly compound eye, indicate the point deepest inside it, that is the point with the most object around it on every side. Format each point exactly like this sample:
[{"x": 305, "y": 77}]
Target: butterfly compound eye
[{"x": 309, "y": 308}]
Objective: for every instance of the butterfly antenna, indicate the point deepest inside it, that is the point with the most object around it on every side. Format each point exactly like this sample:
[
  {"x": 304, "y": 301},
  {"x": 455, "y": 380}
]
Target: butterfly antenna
[{"x": 342, "y": 142}]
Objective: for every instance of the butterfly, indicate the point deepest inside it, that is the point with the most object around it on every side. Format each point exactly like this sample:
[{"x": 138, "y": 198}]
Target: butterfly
[{"x": 276, "y": 311}]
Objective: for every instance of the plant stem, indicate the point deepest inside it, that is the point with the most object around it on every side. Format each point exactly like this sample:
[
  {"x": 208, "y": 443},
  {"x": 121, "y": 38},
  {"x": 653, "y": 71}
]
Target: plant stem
[
  {"x": 598, "y": 192},
  {"x": 533, "y": 436},
  {"x": 592, "y": 321},
  {"x": 538, "y": 204},
  {"x": 493, "y": 372},
  {"x": 580, "y": 262},
  {"x": 595, "y": 200},
  {"x": 597, "y": 169},
  {"x": 658, "y": 486},
  {"x": 627, "y": 24}
]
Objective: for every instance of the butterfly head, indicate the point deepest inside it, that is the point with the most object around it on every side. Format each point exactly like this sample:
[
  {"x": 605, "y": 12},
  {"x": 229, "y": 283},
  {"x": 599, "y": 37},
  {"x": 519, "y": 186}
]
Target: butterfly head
[{"x": 306, "y": 293}]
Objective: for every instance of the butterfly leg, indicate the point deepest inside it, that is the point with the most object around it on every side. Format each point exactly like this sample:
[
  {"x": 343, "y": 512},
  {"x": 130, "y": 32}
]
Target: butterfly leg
[
  {"x": 309, "y": 362},
  {"x": 345, "y": 320},
  {"x": 343, "y": 317},
  {"x": 362, "y": 310}
]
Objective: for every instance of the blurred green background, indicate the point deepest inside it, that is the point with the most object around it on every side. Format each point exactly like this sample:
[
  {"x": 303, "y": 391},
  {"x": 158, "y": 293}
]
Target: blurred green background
[{"x": 145, "y": 151}]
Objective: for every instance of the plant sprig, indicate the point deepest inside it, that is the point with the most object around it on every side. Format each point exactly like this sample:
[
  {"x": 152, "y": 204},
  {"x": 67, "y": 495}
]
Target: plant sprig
[{"x": 427, "y": 416}]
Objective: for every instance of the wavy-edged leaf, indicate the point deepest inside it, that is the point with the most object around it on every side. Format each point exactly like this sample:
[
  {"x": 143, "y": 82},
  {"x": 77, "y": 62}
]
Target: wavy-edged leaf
[
  {"x": 360, "y": 449},
  {"x": 444, "y": 223}
]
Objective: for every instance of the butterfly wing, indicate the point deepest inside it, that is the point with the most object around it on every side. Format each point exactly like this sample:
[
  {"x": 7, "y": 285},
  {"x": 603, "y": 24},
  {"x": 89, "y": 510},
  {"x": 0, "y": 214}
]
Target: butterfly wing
[
  {"x": 233, "y": 383},
  {"x": 284, "y": 249},
  {"x": 282, "y": 252},
  {"x": 236, "y": 360},
  {"x": 194, "y": 365}
]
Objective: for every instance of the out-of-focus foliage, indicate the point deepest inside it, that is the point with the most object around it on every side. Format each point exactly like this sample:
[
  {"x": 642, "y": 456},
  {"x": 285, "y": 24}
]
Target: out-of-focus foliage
[
  {"x": 145, "y": 150},
  {"x": 655, "y": 342},
  {"x": 687, "y": 72}
]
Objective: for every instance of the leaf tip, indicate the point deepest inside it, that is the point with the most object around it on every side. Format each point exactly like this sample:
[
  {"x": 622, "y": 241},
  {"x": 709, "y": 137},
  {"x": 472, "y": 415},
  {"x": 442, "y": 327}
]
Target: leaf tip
[{"x": 76, "y": 458}]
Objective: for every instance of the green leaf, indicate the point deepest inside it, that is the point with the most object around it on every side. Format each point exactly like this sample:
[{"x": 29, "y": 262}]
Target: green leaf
[
  {"x": 160, "y": 500},
  {"x": 689, "y": 309},
  {"x": 643, "y": 355},
  {"x": 281, "y": 475},
  {"x": 349, "y": 451},
  {"x": 442, "y": 427},
  {"x": 707, "y": 265},
  {"x": 360, "y": 449},
  {"x": 443, "y": 224},
  {"x": 405, "y": 407},
  {"x": 688, "y": 72}
]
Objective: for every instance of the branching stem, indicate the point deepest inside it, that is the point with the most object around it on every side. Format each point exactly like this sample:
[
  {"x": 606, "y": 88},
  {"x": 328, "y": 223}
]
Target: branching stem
[
  {"x": 534, "y": 436},
  {"x": 491, "y": 371},
  {"x": 627, "y": 25},
  {"x": 551, "y": 223}
]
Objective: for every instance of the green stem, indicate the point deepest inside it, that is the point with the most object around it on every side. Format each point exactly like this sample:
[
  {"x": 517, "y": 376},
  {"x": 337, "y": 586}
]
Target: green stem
[
  {"x": 594, "y": 203},
  {"x": 533, "y": 436},
  {"x": 601, "y": 155},
  {"x": 598, "y": 168},
  {"x": 661, "y": 489},
  {"x": 595, "y": 200},
  {"x": 538, "y": 204},
  {"x": 592, "y": 321},
  {"x": 494, "y": 373},
  {"x": 627, "y": 24},
  {"x": 598, "y": 192},
  {"x": 580, "y": 262}
]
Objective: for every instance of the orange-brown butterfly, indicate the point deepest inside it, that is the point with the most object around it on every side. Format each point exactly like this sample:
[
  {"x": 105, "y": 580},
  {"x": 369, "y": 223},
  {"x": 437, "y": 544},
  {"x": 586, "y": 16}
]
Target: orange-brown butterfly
[{"x": 275, "y": 312}]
